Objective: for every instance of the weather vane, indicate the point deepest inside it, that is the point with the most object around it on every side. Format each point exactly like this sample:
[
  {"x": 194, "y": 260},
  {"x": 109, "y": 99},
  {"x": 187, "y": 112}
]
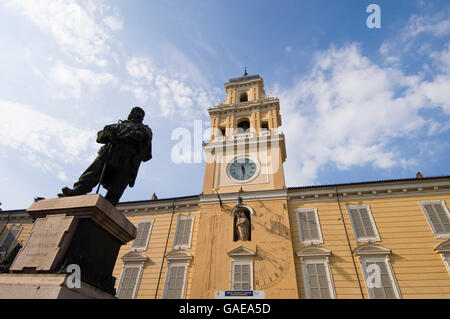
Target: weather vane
[{"x": 245, "y": 71}]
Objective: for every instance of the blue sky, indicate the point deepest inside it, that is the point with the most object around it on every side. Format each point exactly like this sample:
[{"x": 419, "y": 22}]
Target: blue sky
[{"x": 358, "y": 104}]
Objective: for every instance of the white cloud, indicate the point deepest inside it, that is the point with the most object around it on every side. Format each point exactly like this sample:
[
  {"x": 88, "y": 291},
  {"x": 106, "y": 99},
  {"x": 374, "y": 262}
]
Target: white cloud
[
  {"x": 75, "y": 79},
  {"x": 41, "y": 140},
  {"x": 174, "y": 93},
  {"x": 79, "y": 27},
  {"x": 348, "y": 109},
  {"x": 436, "y": 25}
]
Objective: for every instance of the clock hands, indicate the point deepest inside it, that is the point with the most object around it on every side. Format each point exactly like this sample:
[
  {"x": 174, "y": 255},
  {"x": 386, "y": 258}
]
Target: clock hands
[{"x": 243, "y": 170}]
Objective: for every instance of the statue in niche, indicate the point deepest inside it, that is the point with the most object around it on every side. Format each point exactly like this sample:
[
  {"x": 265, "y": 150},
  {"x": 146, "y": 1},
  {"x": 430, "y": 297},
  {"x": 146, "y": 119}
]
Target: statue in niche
[
  {"x": 127, "y": 144},
  {"x": 242, "y": 225}
]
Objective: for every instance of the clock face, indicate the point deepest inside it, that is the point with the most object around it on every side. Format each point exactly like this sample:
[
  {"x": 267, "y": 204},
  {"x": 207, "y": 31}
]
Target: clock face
[{"x": 242, "y": 169}]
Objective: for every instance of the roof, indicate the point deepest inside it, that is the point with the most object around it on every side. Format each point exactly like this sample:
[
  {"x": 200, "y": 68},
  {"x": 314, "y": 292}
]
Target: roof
[{"x": 244, "y": 78}]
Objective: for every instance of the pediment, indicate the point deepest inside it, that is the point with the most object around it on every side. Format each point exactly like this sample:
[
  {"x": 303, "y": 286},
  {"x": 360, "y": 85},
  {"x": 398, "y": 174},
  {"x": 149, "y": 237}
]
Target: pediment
[
  {"x": 133, "y": 256},
  {"x": 241, "y": 251},
  {"x": 371, "y": 249},
  {"x": 178, "y": 255},
  {"x": 443, "y": 247},
  {"x": 313, "y": 251}
]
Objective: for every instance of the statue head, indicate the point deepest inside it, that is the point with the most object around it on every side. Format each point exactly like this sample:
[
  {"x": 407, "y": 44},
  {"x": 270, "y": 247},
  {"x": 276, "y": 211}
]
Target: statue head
[{"x": 136, "y": 115}]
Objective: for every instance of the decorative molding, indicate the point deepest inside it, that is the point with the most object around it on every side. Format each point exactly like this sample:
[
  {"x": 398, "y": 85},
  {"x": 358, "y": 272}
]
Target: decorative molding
[
  {"x": 314, "y": 251},
  {"x": 390, "y": 189},
  {"x": 443, "y": 247},
  {"x": 250, "y": 209},
  {"x": 134, "y": 257},
  {"x": 175, "y": 255},
  {"x": 371, "y": 250},
  {"x": 246, "y": 196},
  {"x": 241, "y": 251}
]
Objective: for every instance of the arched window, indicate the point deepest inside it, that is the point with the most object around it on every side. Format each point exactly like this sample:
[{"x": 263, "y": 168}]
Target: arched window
[
  {"x": 243, "y": 126},
  {"x": 243, "y": 97}
]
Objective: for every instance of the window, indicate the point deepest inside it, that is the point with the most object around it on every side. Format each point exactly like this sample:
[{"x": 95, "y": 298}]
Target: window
[
  {"x": 10, "y": 238},
  {"x": 446, "y": 257},
  {"x": 309, "y": 226},
  {"x": 379, "y": 277},
  {"x": 317, "y": 278},
  {"x": 243, "y": 126},
  {"x": 363, "y": 224},
  {"x": 378, "y": 274},
  {"x": 438, "y": 217},
  {"x": 131, "y": 275},
  {"x": 175, "y": 280},
  {"x": 243, "y": 97},
  {"x": 242, "y": 275},
  {"x": 241, "y": 268},
  {"x": 265, "y": 125},
  {"x": 183, "y": 233},
  {"x": 144, "y": 229},
  {"x": 444, "y": 250}
]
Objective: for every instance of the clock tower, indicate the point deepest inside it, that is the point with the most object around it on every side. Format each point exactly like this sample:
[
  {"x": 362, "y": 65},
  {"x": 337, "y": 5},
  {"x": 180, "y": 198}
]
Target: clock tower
[{"x": 245, "y": 148}]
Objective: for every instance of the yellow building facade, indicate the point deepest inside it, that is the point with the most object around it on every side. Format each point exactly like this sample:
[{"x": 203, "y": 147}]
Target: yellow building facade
[{"x": 383, "y": 239}]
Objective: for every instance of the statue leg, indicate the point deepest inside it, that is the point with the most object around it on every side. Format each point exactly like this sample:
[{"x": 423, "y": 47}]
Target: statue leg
[
  {"x": 86, "y": 182},
  {"x": 118, "y": 186}
]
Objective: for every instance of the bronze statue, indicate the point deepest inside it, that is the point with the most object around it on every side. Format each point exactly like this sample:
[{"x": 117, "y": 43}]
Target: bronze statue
[
  {"x": 128, "y": 143},
  {"x": 242, "y": 226}
]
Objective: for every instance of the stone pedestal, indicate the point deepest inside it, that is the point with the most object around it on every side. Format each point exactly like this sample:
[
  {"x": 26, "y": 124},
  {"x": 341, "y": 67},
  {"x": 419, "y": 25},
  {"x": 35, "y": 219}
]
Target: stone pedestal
[{"x": 86, "y": 231}]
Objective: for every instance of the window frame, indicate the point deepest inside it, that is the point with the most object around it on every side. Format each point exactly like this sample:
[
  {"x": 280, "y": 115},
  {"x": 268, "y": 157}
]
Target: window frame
[
  {"x": 444, "y": 206},
  {"x": 245, "y": 260},
  {"x": 376, "y": 238},
  {"x": 363, "y": 259},
  {"x": 145, "y": 247},
  {"x": 305, "y": 261},
  {"x": 15, "y": 241},
  {"x": 316, "y": 216},
  {"x": 176, "y": 263},
  {"x": 183, "y": 246},
  {"x": 131, "y": 264}
]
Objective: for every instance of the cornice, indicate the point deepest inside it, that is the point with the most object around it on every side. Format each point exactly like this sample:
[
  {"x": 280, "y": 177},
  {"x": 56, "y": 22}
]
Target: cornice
[
  {"x": 159, "y": 206},
  {"x": 231, "y": 142},
  {"x": 246, "y": 196},
  {"x": 388, "y": 189},
  {"x": 244, "y": 107}
]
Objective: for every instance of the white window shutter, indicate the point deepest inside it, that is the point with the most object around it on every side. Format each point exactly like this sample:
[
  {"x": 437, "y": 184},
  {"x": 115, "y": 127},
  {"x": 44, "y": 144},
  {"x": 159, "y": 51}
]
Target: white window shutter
[
  {"x": 363, "y": 224},
  {"x": 386, "y": 288},
  {"x": 128, "y": 284},
  {"x": 318, "y": 281},
  {"x": 11, "y": 236},
  {"x": 142, "y": 235},
  {"x": 309, "y": 226},
  {"x": 242, "y": 277},
  {"x": 438, "y": 217},
  {"x": 175, "y": 284},
  {"x": 183, "y": 234}
]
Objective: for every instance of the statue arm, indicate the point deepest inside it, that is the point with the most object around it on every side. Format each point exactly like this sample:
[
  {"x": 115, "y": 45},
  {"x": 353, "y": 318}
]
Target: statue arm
[{"x": 107, "y": 134}]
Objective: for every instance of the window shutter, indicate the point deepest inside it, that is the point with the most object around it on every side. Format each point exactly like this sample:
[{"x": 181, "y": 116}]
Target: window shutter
[
  {"x": 241, "y": 277},
  {"x": 309, "y": 227},
  {"x": 318, "y": 281},
  {"x": 11, "y": 237},
  {"x": 386, "y": 289},
  {"x": 128, "y": 284},
  {"x": 143, "y": 232},
  {"x": 438, "y": 218},
  {"x": 183, "y": 234},
  {"x": 175, "y": 282},
  {"x": 363, "y": 226}
]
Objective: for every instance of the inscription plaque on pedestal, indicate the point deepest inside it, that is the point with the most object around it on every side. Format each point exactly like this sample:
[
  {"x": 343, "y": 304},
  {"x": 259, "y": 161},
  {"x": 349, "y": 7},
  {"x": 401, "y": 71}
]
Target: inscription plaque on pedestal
[{"x": 49, "y": 239}]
